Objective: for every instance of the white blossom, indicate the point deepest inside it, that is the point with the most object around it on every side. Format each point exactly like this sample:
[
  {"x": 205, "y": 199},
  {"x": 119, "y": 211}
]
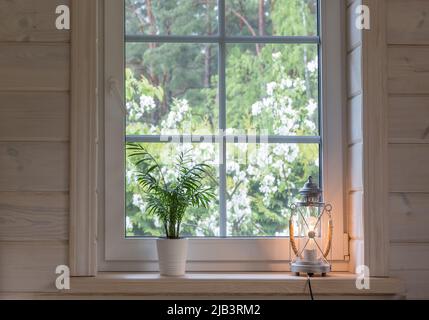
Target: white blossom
[
  {"x": 312, "y": 66},
  {"x": 232, "y": 166},
  {"x": 251, "y": 170},
  {"x": 177, "y": 114},
  {"x": 310, "y": 125},
  {"x": 292, "y": 153},
  {"x": 312, "y": 106},
  {"x": 239, "y": 177},
  {"x": 271, "y": 87},
  {"x": 277, "y": 55},
  {"x": 239, "y": 205},
  {"x": 138, "y": 201},
  {"x": 268, "y": 188},
  {"x": 286, "y": 83},
  {"x": 256, "y": 108},
  {"x": 128, "y": 223},
  {"x": 147, "y": 103}
]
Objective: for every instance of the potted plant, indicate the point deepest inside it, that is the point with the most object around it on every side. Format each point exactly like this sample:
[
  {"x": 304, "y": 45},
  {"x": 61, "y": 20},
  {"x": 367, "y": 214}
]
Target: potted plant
[{"x": 169, "y": 201}]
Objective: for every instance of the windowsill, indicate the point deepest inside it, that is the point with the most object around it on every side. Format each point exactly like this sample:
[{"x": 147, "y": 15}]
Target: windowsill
[{"x": 230, "y": 285}]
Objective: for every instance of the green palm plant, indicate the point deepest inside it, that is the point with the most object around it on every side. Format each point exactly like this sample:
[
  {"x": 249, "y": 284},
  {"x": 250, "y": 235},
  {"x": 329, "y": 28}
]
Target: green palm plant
[{"x": 169, "y": 200}]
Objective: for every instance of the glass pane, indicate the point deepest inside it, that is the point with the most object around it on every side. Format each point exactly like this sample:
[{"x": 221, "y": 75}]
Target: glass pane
[
  {"x": 273, "y": 88},
  {"x": 271, "y": 18},
  {"x": 171, "y": 17},
  {"x": 171, "y": 88},
  {"x": 262, "y": 182},
  {"x": 197, "y": 222}
]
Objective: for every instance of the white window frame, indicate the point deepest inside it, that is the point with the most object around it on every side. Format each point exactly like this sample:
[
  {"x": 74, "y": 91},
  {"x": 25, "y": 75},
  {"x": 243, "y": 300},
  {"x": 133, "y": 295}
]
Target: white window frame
[{"x": 219, "y": 254}]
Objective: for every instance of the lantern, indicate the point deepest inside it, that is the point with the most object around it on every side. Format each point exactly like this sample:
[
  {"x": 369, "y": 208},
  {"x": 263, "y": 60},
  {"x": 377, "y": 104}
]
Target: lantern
[{"x": 306, "y": 227}]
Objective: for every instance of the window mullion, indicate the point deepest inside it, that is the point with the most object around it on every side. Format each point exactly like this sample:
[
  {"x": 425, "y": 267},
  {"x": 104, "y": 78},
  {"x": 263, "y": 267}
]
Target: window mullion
[
  {"x": 227, "y": 39},
  {"x": 222, "y": 121}
]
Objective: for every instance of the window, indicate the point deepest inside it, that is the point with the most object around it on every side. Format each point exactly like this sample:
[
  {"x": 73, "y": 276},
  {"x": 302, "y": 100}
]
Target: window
[{"x": 245, "y": 85}]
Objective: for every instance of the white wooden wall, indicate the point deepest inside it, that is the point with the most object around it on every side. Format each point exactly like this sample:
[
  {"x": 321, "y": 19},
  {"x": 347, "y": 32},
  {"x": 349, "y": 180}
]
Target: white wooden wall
[
  {"x": 34, "y": 145},
  {"x": 408, "y": 121},
  {"x": 408, "y": 89}
]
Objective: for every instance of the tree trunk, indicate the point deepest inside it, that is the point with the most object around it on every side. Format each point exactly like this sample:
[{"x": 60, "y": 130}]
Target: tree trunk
[
  {"x": 151, "y": 17},
  {"x": 261, "y": 16},
  {"x": 207, "y": 69},
  {"x": 152, "y": 31},
  {"x": 208, "y": 50}
]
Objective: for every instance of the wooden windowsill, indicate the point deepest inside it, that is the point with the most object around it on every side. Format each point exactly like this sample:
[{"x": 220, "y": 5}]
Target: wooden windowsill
[{"x": 229, "y": 284}]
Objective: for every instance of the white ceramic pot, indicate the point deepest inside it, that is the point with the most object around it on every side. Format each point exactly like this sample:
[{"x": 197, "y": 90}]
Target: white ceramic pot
[{"x": 172, "y": 256}]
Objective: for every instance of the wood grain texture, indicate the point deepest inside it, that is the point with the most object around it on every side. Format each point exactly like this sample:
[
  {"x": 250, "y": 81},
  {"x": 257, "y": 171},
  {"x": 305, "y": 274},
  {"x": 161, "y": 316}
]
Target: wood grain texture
[
  {"x": 408, "y": 168},
  {"x": 30, "y": 266},
  {"x": 33, "y": 216},
  {"x": 24, "y": 20},
  {"x": 416, "y": 283},
  {"x": 409, "y": 217},
  {"x": 198, "y": 284},
  {"x": 27, "y": 166},
  {"x": 407, "y": 30},
  {"x": 84, "y": 139},
  {"x": 408, "y": 70},
  {"x": 63, "y": 296},
  {"x": 408, "y": 22},
  {"x": 409, "y": 118},
  {"x": 34, "y": 67},
  {"x": 375, "y": 151},
  {"x": 409, "y": 256},
  {"x": 34, "y": 116}
]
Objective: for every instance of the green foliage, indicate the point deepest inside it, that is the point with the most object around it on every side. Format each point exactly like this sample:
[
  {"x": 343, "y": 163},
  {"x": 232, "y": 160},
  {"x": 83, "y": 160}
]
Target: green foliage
[
  {"x": 271, "y": 88},
  {"x": 169, "y": 200}
]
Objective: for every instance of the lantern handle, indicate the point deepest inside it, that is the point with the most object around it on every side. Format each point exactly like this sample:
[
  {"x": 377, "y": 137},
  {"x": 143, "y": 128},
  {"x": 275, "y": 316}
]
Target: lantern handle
[
  {"x": 330, "y": 233},
  {"x": 292, "y": 238},
  {"x": 292, "y": 242}
]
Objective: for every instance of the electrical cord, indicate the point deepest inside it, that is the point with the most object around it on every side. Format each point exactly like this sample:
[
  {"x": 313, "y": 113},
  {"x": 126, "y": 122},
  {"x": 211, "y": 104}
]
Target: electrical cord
[{"x": 309, "y": 287}]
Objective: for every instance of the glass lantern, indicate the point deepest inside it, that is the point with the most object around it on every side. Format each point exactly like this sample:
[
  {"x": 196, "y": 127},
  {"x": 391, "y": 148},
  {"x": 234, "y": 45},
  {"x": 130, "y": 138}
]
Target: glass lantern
[{"x": 305, "y": 228}]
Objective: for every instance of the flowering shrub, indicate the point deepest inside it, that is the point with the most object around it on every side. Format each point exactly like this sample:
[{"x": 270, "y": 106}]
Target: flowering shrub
[{"x": 270, "y": 89}]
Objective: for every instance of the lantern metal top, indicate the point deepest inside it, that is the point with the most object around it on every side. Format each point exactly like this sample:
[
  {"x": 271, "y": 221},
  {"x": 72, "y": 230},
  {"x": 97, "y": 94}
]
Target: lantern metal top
[{"x": 311, "y": 193}]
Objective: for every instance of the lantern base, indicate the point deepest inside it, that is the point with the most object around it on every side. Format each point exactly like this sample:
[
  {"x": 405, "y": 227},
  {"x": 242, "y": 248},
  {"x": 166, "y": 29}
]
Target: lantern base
[{"x": 310, "y": 268}]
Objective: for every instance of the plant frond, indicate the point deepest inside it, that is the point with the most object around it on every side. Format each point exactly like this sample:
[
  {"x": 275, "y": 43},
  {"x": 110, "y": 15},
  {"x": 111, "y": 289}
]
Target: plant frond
[{"x": 170, "y": 201}]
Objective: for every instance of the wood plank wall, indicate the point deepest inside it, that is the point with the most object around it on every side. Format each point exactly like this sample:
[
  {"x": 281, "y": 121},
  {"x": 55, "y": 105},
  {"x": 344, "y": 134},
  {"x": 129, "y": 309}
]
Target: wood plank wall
[
  {"x": 34, "y": 145},
  {"x": 408, "y": 88},
  {"x": 408, "y": 121}
]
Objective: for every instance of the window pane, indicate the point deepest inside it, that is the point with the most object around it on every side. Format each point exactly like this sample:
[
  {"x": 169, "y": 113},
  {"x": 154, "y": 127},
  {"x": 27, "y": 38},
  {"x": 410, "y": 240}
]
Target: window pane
[
  {"x": 171, "y": 17},
  {"x": 198, "y": 222},
  {"x": 272, "y": 18},
  {"x": 262, "y": 182},
  {"x": 273, "y": 88},
  {"x": 171, "y": 88}
]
